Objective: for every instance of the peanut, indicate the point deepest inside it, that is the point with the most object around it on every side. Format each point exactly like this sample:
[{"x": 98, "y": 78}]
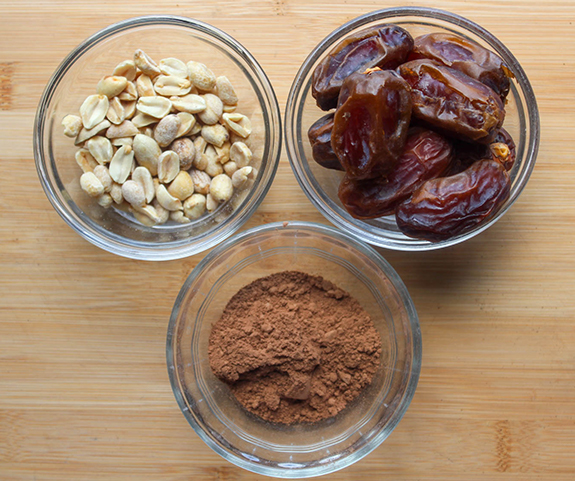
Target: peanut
[
  {"x": 221, "y": 188},
  {"x": 147, "y": 125},
  {"x": 91, "y": 184},
  {"x": 195, "y": 206}
]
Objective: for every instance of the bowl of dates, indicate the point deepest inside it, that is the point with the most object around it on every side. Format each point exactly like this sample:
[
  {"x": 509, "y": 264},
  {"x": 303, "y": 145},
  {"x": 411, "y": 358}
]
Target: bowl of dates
[{"x": 412, "y": 128}]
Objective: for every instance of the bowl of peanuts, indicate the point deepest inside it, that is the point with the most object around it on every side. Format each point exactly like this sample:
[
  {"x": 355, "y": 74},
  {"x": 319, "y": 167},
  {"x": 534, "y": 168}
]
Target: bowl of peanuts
[{"x": 157, "y": 137}]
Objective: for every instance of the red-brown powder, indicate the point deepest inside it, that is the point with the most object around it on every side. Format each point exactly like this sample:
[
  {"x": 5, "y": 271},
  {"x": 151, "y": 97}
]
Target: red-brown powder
[{"x": 294, "y": 348}]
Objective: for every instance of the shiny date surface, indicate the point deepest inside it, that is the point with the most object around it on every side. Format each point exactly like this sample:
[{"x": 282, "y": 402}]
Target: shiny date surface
[
  {"x": 384, "y": 46},
  {"x": 449, "y": 206},
  {"x": 466, "y": 56},
  {"x": 319, "y": 135},
  {"x": 371, "y": 123},
  {"x": 502, "y": 149},
  {"x": 453, "y": 102},
  {"x": 426, "y": 156}
]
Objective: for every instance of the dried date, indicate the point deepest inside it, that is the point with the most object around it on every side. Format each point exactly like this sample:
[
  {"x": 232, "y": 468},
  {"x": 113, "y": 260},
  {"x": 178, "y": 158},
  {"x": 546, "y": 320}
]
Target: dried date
[
  {"x": 453, "y": 102},
  {"x": 319, "y": 135},
  {"x": 426, "y": 156},
  {"x": 384, "y": 46},
  {"x": 449, "y": 206},
  {"x": 371, "y": 122},
  {"x": 502, "y": 149},
  {"x": 466, "y": 56}
]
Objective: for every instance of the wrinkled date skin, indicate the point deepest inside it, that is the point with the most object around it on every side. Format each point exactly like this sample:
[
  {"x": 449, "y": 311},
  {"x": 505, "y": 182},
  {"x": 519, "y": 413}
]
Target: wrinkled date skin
[
  {"x": 384, "y": 46},
  {"x": 467, "y": 57},
  {"x": 453, "y": 102},
  {"x": 449, "y": 206},
  {"x": 371, "y": 122},
  {"x": 319, "y": 135},
  {"x": 502, "y": 149},
  {"x": 427, "y": 155}
]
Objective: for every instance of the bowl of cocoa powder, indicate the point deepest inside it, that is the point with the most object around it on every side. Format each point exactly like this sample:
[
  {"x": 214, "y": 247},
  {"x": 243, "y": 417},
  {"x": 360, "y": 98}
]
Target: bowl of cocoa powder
[{"x": 293, "y": 349}]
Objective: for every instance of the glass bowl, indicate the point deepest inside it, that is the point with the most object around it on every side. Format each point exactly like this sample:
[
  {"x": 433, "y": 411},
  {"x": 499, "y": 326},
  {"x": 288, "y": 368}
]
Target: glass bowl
[
  {"x": 77, "y": 77},
  {"x": 321, "y": 185},
  {"x": 300, "y": 450}
]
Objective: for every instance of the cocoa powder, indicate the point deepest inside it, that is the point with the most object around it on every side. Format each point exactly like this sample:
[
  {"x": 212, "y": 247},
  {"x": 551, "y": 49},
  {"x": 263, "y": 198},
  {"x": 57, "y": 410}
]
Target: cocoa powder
[{"x": 294, "y": 348}]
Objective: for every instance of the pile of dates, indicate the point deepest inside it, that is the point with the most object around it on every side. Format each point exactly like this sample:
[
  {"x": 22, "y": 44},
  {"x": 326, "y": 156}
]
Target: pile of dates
[{"x": 417, "y": 129}]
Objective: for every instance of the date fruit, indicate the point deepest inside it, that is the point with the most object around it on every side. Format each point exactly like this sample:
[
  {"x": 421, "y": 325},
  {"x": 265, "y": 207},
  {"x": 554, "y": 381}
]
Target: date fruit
[
  {"x": 502, "y": 149},
  {"x": 384, "y": 46},
  {"x": 427, "y": 155},
  {"x": 466, "y": 56},
  {"x": 319, "y": 135},
  {"x": 453, "y": 102},
  {"x": 449, "y": 206},
  {"x": 371, "y": 122}
]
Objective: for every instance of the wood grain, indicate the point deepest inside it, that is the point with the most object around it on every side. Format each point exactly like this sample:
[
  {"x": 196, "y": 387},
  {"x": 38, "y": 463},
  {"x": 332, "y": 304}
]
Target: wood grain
[{"x": 84, "y": 393}]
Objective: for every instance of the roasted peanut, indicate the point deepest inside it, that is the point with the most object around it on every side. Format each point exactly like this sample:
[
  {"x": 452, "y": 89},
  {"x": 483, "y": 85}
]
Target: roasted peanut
[
  {"x": 201, "y": 181},
  {"x": 168, "y": 85},
  {"x": 190, "y": 103},
  {"x": 130, "y": 93},
  {"x": 221, "y": 188},
  {"x": 211, "y": 203},
  {"x": 145, "y": 86},
  {"x": 166, "y": 200},
  {"x": 201, "y": 76},
  {"x": 91, "y": 184},
  {"x": 125, "y": 129},
  {"x": 105, "y": 200},
  {"x": 116, "y": 112},
  {"x": 157, "y": 107},
  {"x": 238, "y": 124},
  {"x": 145, "y": 63},
  {"x": 195, "y": 206},
  {"x": 213, "y": 111},
  {"x": 121, "y": 164},
  {"x": 173, "y": 66},
  {"x": 134, "y": 193},
  {"x": 226, "y": 91},
  {"x": 168, "y": 166},
  {"x": 240, "y": 177},
  {"x": 215, "y": 134},
  {"x": 85, "y": 160},
  {"x": 103, "y": 175},
  {"x": 142, "y": 176},
  {"x": 94, "y": 110},
  {"x": 182, "y": 186},
  {"x": 179, "y": 217},
  {"x": 166, "y": 130},
  {"x": 101, "y": 149},
  {"x": 86, "y": 134},
  {"x": 186, "y": 152},
  {"x": 110, "y": 86},
  {"x": 147, "y": 152},
  {"x": 126, "y": 69},
  {"x": 241, "y": 154},
  {"x": 72, "y": 125},
  {"x": 187, "y": 122},
  {"x": 230, "y": 168}
]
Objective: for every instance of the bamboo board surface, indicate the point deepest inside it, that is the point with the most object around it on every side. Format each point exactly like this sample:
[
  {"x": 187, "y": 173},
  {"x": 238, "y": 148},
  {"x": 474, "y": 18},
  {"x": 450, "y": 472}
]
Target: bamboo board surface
[{"x": 84, "y": 392}]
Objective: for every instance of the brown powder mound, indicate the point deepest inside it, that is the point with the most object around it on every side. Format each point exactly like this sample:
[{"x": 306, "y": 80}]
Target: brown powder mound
[{"x": 294, "y": 348}]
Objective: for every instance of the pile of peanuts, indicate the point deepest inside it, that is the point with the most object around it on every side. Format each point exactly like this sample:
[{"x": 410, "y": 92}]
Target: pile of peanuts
[{"x": 162, "y": 140}]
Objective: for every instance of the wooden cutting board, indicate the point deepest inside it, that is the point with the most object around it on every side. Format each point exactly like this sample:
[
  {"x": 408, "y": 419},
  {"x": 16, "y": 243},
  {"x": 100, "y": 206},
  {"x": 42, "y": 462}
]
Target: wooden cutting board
[{"x": 84, "y": 392}]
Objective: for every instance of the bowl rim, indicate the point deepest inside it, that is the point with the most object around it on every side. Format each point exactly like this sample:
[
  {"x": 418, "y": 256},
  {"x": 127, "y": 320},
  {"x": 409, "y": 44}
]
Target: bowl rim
[
  {"x": 291, "y": 113},
  {"x": 143, "y": 250},
  {"x": 416, "y": 343}
]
